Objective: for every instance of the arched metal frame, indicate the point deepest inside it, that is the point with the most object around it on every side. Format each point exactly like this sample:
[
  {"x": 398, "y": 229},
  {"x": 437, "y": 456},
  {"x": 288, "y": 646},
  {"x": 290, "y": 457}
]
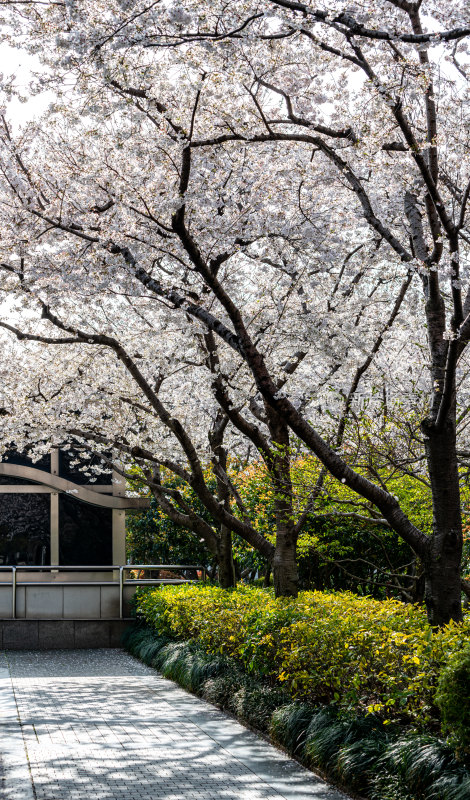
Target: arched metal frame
[
  {"x": 110, "y": 496},
  {"x": 94, "y": 495}
]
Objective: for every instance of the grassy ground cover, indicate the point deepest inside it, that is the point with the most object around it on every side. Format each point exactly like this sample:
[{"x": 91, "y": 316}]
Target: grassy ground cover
[{"x": 345, "y": 684}]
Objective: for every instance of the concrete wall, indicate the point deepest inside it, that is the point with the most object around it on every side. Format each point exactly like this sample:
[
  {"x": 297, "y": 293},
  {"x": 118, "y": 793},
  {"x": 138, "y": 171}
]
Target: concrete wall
[
  {"x": 55, "y": 634},
  {"x": 64, "y": 600}
]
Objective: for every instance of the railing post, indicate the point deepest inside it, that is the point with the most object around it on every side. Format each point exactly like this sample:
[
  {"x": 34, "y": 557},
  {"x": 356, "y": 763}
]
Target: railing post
[
  {"x": 13, "y": 592},
  {"x": 121, "y": 591},
  {"x": 55, "y": 569}
]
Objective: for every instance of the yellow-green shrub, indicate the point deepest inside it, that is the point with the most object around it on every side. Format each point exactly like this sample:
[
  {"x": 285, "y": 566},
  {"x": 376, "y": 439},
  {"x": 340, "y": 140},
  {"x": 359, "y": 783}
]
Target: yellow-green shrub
[{"x": 379, "y": 656}]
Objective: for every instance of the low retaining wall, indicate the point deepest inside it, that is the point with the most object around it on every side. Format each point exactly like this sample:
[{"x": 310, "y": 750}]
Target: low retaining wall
[
  {"x": 65, "y": 600},
  {"x": 61, "y": 634}
]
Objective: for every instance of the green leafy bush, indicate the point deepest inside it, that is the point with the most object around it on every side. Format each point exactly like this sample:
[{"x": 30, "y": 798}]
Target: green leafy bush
[
  {"x": 334, "y": 552},
  {"x": 453, "y": 698},
  {"x": 359, "y": 752},
  {"x": 152, "y": 538},
  {"x": 375, "y": 657}
]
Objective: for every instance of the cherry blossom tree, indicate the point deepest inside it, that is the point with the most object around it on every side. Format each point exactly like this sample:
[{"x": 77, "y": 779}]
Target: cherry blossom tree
[
  {"x": 289, "y": 179},
  {"x": 265, "y": 430}
]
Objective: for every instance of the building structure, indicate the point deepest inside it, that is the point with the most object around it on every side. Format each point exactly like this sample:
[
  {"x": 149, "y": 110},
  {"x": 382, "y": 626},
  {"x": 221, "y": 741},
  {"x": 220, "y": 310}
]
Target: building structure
[
  {"x": 64, "y": 581},
  {"x": 52, "y": 513}
]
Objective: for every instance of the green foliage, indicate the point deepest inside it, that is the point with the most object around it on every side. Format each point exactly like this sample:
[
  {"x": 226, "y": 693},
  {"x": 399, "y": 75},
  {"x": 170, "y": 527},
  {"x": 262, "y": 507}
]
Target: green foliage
[
  {"x": 182, "y": 662},
  {"x": 221, "y": 688},
  {"x": 142, "y": 643},
  {"x": 324, "y": 736},
  {"x": 356, "y": 765},
  {"x": 453, "y": 698},
  {"x": 336, "y": 552},
  {"x": 417, "y": 768},
  {"x": 289, "y": 724},
  {"x": 347, "y": 555},
  {"x": 346, "y": 747},
  {"x": 205, "y": 668},
  {"x": 152, "y": 538},
  {"x": 360, "y": 753},
  {"x": 375, "y": 657},
  {"x": 254, "y": 704},
  {"x": 450, "y": 786}
]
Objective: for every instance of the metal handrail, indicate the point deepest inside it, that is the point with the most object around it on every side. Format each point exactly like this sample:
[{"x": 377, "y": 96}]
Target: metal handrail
[
  {"x": 13, "y": 593},
  {"x": 123, "y": 568},
  {"x": 97, "y": 568}
]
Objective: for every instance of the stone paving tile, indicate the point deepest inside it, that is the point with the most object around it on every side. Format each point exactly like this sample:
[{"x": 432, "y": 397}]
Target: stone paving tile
[{"x": 97, "y": 724}]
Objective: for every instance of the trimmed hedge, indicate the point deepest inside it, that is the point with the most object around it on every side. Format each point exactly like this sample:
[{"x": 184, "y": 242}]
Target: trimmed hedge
[
  {"x": 356, "y": 752},
  {"x": 370, "y": 656},
  {"x": 453, "y": 699}
]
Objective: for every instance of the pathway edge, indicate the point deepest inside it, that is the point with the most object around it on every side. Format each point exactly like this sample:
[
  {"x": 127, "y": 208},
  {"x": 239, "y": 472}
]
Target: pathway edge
[{"x": 17, "y": 783}]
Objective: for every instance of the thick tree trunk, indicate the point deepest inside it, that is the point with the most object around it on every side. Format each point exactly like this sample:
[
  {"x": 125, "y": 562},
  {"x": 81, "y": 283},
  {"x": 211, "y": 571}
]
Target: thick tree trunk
[
  {"x": 444, "y": 553},
  {"x": 285, "y": 573},
  {"x": 267, "y": 576},
  {"x": 226, "y": 566},
  {"x": 227, "y": 576}
]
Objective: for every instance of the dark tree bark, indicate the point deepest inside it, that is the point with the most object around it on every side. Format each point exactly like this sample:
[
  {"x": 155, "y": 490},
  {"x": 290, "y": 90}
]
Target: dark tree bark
[
  {"x": 277, "y": 457},
  {"x": 285, "y": 571},
  {"x": 444, "y": 552},
  {"x": 267, "y": 576},
  {"x": 227, "y": 577}
]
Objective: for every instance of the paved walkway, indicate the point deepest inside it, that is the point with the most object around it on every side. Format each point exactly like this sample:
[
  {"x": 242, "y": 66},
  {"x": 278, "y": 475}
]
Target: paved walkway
[{"x": 98, "y": 724}]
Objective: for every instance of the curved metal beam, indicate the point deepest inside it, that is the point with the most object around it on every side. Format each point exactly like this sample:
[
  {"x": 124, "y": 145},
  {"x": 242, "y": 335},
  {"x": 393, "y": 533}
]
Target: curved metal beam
[{"x": 82, "y": 493}]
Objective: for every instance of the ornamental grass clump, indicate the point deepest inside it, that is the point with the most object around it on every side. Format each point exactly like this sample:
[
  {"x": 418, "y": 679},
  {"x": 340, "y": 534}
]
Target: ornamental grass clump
[
  {"x": 289, "y": 725},
  {"x": 357, "y": 762},
  {"x": 377, "y": 761},
  {"x": 419, "y": 768},
  {"x": 369, "y": 656},
  {"x": 175, "y": 661},
  {"x": 188, "y": 665},
  {"x": 142, "y": 643},
  {"x": 345, "y": 748},
  {"x": 220, "y": 689},
  {"x": 207, "y": 667},
  {"x": 254, "y": 704}
]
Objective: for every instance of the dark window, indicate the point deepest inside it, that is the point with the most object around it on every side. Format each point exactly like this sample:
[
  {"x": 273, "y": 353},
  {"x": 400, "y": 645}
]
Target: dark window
[
  {"x": 24, "y": 529},
  {"x": 6, "y": 480},
  {"x": 43, "y": 463},
  {"x": 85, "y": 533}
]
